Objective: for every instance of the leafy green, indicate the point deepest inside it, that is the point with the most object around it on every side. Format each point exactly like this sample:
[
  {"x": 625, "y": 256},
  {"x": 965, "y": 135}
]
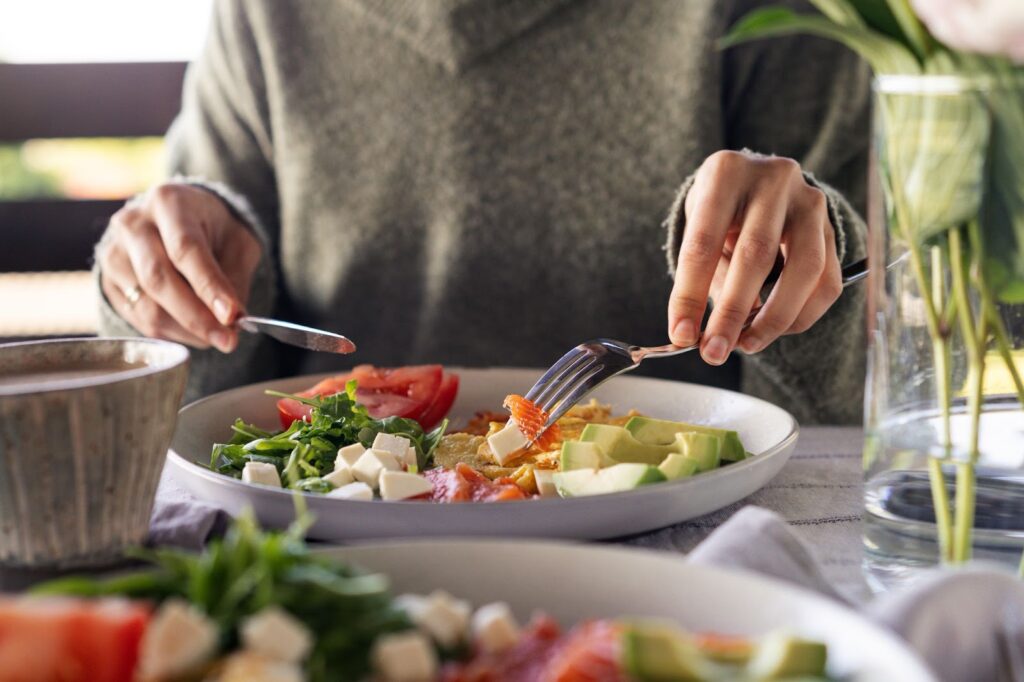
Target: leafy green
[
  {"x": 249, "y": 570},
  {"x": 305, "y": 452}
]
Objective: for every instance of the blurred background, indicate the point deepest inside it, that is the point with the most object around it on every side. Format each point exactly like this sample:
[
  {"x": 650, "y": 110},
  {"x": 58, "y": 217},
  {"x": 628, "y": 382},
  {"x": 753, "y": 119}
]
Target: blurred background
[{"x": 87, "y": 89}]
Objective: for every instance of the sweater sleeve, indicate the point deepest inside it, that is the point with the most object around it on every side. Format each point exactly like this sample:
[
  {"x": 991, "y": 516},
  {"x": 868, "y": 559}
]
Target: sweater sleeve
[
  {"x": 221, "y": 141},
  {"x": 807, "y": 99}
]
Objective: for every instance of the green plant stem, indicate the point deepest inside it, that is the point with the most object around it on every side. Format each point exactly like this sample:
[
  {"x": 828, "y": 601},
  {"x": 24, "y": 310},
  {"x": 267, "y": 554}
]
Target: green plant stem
[
  {"x": 975, "y": 335},
  {"x": 941, "y": 353},
  {"x": 1005, "y": 348}
]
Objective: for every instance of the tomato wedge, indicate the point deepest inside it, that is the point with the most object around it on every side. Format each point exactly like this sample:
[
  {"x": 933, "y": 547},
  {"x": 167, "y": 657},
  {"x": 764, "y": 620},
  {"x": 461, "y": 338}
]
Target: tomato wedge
[
  {"x": 70, "y": 640},
  {"x": 421, "y": 392}
]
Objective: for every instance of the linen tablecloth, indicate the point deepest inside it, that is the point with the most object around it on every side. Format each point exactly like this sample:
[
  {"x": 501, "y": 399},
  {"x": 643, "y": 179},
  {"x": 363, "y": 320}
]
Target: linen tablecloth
[{"x": 819, "y": 493}]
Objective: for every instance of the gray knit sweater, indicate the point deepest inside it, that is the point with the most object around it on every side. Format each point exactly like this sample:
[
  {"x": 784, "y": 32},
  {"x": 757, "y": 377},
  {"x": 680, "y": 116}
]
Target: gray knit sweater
[{"x": 484, "y": 182}]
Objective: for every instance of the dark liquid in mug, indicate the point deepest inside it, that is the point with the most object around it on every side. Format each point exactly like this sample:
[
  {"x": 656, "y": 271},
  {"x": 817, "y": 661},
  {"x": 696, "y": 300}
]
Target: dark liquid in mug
[{"x": 52, "y": 378}]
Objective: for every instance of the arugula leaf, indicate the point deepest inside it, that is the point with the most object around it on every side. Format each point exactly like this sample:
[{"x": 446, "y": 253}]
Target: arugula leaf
[
  {"x": 305, "y": 452},
  {"x": 250, "y": 569}
]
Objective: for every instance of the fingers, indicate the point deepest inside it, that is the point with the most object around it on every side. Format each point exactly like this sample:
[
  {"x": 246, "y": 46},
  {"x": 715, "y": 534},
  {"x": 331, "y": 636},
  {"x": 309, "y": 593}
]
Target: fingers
[
  {"x": 145, "y": 315},
  {"x": 163, "y": 285},
  {"x": 189, "y": 249},
  {"x": 806, "y": 259},
  {"x": 752, "y": 260},
  {"x": 239, "y": 259},
  {"x": 715, "y": 203},
  {"x": 828, "y": 290}
]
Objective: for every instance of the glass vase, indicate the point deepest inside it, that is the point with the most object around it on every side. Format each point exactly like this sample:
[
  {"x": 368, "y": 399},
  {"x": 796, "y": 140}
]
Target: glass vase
[{"x": 944, "y": 446}]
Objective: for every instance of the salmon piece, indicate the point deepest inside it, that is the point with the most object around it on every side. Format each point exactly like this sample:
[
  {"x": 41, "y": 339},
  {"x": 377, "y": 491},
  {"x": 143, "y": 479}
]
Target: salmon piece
[
  {"x": 466, "y": 484},
  {"x": 591, "y": 652},
  {"x": 531, "y": 420}
]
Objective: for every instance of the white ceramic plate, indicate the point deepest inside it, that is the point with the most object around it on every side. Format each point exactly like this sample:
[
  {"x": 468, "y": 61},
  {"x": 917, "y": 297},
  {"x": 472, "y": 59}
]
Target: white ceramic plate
[
  {"x": 766, "y": 430},
  {"x": 574, "y": 582}
]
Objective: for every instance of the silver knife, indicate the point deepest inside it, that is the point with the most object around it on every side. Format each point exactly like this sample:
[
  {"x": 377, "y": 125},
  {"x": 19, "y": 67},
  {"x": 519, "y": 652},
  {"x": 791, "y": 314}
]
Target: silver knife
[{"x": 297, "y": 335}]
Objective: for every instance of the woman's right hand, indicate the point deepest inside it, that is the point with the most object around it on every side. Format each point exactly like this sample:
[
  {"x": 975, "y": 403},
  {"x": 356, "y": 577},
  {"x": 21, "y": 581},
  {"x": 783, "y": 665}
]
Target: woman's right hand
[{"x": 177, "y": 265}]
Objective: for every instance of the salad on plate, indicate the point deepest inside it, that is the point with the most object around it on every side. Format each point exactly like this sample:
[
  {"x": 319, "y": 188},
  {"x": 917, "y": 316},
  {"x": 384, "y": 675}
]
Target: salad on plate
[
  {"x": 262, "y": 607},
  {"x": 378, "y": 433}
]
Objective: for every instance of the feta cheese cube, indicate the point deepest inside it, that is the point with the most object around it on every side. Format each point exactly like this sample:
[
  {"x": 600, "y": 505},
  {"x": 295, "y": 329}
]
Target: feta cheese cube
[
  {"x": 404, "y": 657},
  {"x": 349, "y": 455},
  {"x": 495, "y": 628},
  {"x": 545, "y": 479},
  {"x": 396, "y": 445},
  {"x": 401, "y": 485},
  {"x": 370, "y": 465},
  {"x": 353, "y": 491},
  {"x": 411, "y": 460},
  {"x": 340, "y": 477},
  {"x": 246, "y": 666},
  {"x": 443, "y": 617},
  {"x": 276, "y": 634},
  {"x": 507, "y": 442},
  {"x": 178, "y": 639},
  {"x": 262, "y": 473}
]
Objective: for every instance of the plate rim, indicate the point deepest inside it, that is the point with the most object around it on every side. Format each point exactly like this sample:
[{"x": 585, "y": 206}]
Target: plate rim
[{"x": 678, "y": 485}]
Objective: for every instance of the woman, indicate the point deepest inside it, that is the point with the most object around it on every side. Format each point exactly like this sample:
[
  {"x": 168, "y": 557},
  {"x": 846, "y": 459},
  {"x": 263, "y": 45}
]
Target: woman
[{"x": 484, "y": 182}]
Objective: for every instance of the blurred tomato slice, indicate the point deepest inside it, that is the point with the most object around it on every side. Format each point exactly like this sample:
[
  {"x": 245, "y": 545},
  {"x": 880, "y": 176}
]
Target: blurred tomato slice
[
  {"x": 70, "y": 640},
  {"x": 420, "y": 392}
]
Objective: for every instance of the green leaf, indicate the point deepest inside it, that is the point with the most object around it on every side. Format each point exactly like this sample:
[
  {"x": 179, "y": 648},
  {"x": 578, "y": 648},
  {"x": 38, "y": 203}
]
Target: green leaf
[
  {"x": 883, "y": 54},
  {"x": 916, "y": 36},
  {"x": 841, "y": 12}
]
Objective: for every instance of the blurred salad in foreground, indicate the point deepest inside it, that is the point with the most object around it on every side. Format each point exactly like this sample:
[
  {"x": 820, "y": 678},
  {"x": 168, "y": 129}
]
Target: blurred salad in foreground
[{"x": 260, "y": 606}]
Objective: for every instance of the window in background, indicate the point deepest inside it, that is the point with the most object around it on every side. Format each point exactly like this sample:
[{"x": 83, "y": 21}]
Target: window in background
[{"x": 61, "y": 170}]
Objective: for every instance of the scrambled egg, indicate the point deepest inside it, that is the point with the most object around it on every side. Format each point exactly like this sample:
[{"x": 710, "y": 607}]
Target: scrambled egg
[{"x": 470, "y": 446}]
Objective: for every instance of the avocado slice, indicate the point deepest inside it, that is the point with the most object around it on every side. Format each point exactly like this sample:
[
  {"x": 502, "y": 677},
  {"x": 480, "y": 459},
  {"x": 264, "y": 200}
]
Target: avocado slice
[
  {"x": 677, "y": 466},
  {"x": 703, "y": 449},
  {"x": 663, "y": 432},
  {"x": 652, "y": 652},
  {"x": 577, "y": 483},
  {"x": 620, "y": 445},
  {"x": 583, "y": 455},
  {"x": 629, "y": 475},
  {"x": 614, "y": 479},
  {"x": 779, "y": 655}
]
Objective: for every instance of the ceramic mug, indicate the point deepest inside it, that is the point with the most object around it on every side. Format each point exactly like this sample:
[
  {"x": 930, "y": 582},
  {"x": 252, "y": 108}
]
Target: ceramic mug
[{"x": 84, "y": 430}]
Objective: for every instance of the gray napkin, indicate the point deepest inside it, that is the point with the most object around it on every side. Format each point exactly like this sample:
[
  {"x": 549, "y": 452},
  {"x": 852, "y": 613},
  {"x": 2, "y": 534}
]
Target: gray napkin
[
  {"x": 180, "y": 520},
  {"x": 967, "y": 624}
]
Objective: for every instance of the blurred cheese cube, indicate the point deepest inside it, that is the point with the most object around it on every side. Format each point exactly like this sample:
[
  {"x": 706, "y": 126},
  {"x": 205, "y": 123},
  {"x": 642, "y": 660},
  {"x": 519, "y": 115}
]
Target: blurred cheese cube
[
  {"x": 349, "y": 455},
  {"x": 545, "y": 480},
  {"x": 353, "y": 491},
  {"x": 262, "y": 473},
  {"x": 440, "y": 615},
  {"x": 495, "y": 628},
  {"x": 340, "y": 477},
  {"x": 369, "y": 466},
  {"x": 178, "y": 639},
  {"x": 507, "y": 442},
  {"x": 275, "y": 633},
  {"x": 246, "y": 666},
  {"x": 396, "y": 445},
  {"x": 404, "y": 657},
  {"x": 401, "y": 485}
]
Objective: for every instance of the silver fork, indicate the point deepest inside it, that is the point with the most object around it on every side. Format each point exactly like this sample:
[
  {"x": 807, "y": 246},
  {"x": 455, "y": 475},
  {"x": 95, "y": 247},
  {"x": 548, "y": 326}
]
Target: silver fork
[{"x": 594, "y": 362}]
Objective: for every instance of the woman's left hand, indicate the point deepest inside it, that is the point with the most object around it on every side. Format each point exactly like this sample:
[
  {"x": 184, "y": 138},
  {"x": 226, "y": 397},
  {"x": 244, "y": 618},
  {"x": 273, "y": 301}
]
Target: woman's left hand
[{"x": 743, "y": 213}]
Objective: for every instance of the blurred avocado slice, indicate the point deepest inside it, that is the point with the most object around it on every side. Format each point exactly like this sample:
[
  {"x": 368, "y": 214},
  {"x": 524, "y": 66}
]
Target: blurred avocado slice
[
  {"x": 782, "y": 656},
  {"x": 662, "y": 432}
]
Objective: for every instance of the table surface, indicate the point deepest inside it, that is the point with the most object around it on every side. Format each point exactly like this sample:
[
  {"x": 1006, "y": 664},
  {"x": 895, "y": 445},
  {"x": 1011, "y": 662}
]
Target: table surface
[{"x": 819, "y": 492}]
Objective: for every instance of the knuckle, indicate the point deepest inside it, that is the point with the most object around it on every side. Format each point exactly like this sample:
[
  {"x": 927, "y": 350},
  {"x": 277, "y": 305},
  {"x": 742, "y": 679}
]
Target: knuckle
[
  {"x": 722, "y": 164},
  {"x": 731, "y": 312},
  {"x": 756, "y": 252},
  {"x": 151, "y": 274},
  {"x": 800, "y": 326},
  {"x": 832, "y": 288},
  {"x": 772, "y": 326},
  {"x": 167, "y": 193},
  {"x": 816, "y": 200},
  {"x": 784, "y": 165},
  {"x": 699, "y": 247},
  {"x": 687, "y": 303},
  {"x": 182, "y": 247}
]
